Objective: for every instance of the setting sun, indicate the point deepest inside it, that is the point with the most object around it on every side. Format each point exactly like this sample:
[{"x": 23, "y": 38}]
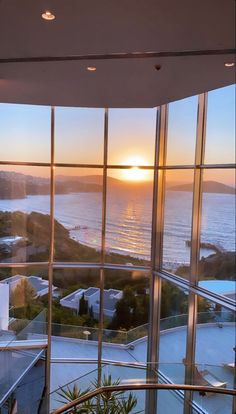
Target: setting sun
[{"x": 135, "y": 173}]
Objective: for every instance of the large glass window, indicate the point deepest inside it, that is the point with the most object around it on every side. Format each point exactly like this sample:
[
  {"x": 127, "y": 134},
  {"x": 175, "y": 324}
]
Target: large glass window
[{"x": 119, "y": 224}]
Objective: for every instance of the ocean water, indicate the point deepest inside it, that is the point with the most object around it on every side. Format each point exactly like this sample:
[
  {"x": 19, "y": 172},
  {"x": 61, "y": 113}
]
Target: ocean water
[{"x": 128, "y": 224}]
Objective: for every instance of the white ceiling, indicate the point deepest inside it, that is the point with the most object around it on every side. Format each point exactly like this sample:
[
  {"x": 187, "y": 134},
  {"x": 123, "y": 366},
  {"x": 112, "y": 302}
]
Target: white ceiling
[{"x": 85, "y": 27}]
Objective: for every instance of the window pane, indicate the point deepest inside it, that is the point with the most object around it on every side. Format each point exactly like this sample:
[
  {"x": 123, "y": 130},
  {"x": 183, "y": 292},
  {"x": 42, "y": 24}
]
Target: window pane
[
  {"x": 23, "y": 312},
  {"x": 217, "y": 257},
  {"x": 215, "y": 355},
  {"x": 28, "y": 393},
  {"x": 24, "y": 214},
  {"x": 25, "y": 132},
  {"x": 220, "y": 131},
  {"x": 126, "y": 309},
  {"x": 182, "y": 127},
  {"x": 173, "y": 325},
  {"x": 129, "y": 214},
  {"x": 78, "y": 211},
  {"x": 75, "y": 320},
  {"x": 131, "y": 136},
  {"x": 177, "y": 221},
  {"x": 79, "y": 135}
]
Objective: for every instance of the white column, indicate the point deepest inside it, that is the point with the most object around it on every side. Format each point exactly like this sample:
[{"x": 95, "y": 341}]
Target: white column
[{"x": 4, "y": 306}]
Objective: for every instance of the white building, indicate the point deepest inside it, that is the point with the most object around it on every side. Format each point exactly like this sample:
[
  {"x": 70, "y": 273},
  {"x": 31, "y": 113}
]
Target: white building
[
  {"x": 39, "y": 285},
  {"x": 92, "y": 296}
]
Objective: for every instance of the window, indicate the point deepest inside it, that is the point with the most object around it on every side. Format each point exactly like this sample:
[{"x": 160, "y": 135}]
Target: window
[{"x": 115, "y": 241}]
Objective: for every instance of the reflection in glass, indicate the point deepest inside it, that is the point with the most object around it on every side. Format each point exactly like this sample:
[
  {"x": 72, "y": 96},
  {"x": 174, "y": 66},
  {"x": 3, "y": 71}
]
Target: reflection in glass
[
  {"x": 131, "y": 136},
  {"x": 182, "y": 129},
  {"x": 79, "y": 135},
  {"x": 24, "y": 215},
  {"x": 25, "y": 132},
  {"x": 177, "y": 221},
  {"x": 128, "y": 225},
  {"x": 220, "y": 129},
  {"x": 217, "y": 257},
  {"x": 78, "y": 212}
]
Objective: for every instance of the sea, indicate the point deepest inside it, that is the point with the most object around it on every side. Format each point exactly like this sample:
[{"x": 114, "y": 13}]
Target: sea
[{"x": 128, "y": 221}]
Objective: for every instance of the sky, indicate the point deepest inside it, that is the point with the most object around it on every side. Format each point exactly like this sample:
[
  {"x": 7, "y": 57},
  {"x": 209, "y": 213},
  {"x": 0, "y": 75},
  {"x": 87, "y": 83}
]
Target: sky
[{"x": 79, "y": 134}]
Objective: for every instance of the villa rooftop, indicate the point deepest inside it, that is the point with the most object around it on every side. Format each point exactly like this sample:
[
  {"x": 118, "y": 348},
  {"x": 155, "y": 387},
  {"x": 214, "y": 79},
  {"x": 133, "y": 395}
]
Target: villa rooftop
[{"x": 39, "y": 285}]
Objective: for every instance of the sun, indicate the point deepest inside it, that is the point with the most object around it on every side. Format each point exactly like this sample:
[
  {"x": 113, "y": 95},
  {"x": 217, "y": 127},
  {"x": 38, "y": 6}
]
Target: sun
[{"x": 135, "y": 173}]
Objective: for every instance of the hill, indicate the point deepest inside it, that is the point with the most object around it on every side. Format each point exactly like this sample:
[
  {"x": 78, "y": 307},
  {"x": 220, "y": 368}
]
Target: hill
[
  {"x": 34, "y": 229},
  {"x": 17, "y": 186},
  {"x": 208, "y": 187}
]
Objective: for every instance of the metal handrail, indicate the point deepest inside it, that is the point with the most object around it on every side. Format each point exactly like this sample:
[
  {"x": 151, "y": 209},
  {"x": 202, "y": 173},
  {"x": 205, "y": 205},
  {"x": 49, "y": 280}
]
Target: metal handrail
[{"x": 128, "y": 387}]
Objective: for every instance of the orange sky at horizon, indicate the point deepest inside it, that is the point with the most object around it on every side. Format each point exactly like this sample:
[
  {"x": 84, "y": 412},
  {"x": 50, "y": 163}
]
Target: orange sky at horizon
[
  {"x": 225, "y": 176},
  {"x": 79, "y": 137}
]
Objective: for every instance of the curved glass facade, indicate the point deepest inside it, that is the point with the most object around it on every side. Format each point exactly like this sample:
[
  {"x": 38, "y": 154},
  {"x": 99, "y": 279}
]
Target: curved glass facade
[{"x": 117, "y": 250}]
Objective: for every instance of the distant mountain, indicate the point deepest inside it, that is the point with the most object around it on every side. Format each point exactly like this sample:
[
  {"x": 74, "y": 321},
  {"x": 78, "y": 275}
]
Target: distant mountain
[
  {"x": 16, "y": 185},
  {"x": 208, "y": 187},
  {"x": 113, "y": 183},
  {"x": 87, "y": 179}
]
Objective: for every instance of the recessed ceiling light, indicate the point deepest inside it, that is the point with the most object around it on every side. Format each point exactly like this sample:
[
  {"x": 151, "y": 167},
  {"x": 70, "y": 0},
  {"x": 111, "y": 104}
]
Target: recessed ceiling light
[
  {"x": 47, "y": 15},
  {"x": 157, "y": 67},
  {"x": 229, "y": 64},
  {"x": 91, "y": 68}
]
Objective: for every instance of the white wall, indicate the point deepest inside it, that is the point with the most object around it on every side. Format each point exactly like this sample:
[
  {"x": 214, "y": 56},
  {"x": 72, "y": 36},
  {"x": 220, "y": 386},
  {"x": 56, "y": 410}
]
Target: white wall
[{"x": 4, "y": 306}]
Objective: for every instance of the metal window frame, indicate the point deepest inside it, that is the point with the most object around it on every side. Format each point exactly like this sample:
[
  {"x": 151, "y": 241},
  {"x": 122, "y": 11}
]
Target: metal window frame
[{"x": 155, "y": 268}]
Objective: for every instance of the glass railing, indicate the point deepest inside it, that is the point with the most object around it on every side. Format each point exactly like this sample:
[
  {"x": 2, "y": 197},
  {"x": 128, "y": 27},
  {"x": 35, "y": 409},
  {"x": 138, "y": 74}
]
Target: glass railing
[
  {"x": 20, "y": 349},
  {"x": 26, "y": 328},
  {"x": 125, "y": 337},
  {"x": 84, "y": 339}
]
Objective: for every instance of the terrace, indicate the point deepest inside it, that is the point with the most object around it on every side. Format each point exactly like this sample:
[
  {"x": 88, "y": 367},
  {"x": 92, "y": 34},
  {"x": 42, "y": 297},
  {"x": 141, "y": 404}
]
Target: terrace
[{"x": 74, "y": 360}]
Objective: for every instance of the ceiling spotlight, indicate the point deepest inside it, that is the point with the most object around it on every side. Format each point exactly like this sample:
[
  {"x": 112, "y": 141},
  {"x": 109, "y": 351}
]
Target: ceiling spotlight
[
  {"x": 157, "y": 67},
  {"x": 47, "y": 15},
  {"x": 229, "y": 64},
  {"x": 91, "y": 68}
]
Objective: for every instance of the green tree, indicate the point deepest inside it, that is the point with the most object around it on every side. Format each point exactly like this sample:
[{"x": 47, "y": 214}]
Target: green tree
[
  {"x": 125, "y": 307},
  {"x": 23, "y": 294},
  {"x": 83, "y": 306}
]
